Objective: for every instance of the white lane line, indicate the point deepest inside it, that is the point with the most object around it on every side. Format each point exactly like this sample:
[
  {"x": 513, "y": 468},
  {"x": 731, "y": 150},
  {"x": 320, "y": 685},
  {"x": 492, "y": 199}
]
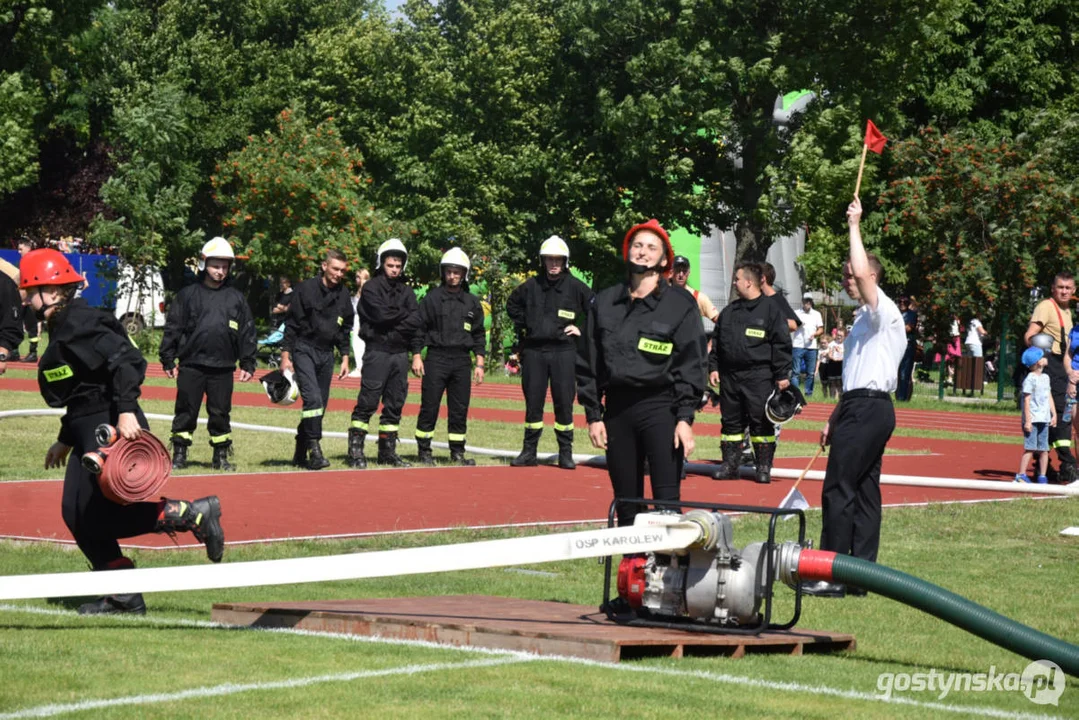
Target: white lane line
[
  {"x": 511, "y": 656},
  {"x": 235, "y": 688}
]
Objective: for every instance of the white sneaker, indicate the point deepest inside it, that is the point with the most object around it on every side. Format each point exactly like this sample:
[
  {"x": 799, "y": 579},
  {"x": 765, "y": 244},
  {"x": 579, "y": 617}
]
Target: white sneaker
[{"x": 354, "y": 374}]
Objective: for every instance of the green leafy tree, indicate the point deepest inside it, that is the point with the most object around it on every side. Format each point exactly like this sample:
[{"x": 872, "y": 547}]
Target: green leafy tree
[
  {"x": 18, "y": 148},
  {"x": 983, "y": 222},
  {"x": 292, "y": 194}
]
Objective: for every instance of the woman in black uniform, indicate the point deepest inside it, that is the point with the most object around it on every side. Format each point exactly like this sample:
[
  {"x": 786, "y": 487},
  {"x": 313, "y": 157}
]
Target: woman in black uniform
[
  {"x": 92, "y": 369},
  {"x": 643, "y": 372}
]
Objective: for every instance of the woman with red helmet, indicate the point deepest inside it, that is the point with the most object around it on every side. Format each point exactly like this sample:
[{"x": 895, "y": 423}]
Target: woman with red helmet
[
  {"x": 92, "y": 369},
  {"x": 644, "y": 372}
]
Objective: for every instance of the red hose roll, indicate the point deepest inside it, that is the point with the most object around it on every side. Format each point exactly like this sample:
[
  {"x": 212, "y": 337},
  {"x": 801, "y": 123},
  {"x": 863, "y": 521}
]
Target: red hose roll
[{"x": 134, "y": 470}]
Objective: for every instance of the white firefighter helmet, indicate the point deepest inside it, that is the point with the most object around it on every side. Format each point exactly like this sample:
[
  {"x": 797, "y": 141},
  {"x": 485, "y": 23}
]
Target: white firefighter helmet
[
  {"x": 555, "y": 247},
  {"x": 392, "y": 246},
  {"x": 456, "y": 256},
  {"x": 217, "y": 248},
  {"x": 280, "y": 387}
]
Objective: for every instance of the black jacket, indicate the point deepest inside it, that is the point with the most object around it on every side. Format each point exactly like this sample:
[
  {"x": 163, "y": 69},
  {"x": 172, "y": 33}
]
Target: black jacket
[
  {"x": 389, "y": 314},
  {"x": 319, "y": 317},
  {"x": 541, "y": 309},
  {"x": 653, "y": 342},
  {"x": 210, "y": 328},
  {"x": 752, "y": 335},
  {"x": 89, "y": 365},
  {"x": 450, "y": 321},
  {"x": 10, "y": 314}
]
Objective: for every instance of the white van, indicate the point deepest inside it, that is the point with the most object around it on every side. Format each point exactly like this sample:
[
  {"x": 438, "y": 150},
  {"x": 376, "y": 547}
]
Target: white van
[{"x": 140, "y": 302}]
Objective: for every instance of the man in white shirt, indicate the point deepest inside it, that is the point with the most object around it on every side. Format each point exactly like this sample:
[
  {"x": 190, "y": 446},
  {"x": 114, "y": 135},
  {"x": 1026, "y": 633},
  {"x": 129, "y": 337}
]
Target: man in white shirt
[
  {"x": 972, "y": 345},
  {"x": 805, "y": 343},
  {"x": 864, "y": 418}
]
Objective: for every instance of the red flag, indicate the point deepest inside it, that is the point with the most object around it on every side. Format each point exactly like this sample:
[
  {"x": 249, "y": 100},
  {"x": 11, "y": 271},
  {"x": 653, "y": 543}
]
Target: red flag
[{"x": 874, "y": 139}]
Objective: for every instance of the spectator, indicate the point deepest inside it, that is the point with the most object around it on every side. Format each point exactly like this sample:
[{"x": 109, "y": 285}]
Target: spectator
[
  {"x": 281, "y": 302},
  {"x": 358, "y": 345},
  {"x": 804, "y": 341},
  {"x": 972, "y": 345},
  {"x": 952, "y": 352},
  {"x": 905, "y": 389},
  {"x": 831, "y": 367},
  {"x": 1038, "y": 415},
  {"x": 1053, "y": 317}
]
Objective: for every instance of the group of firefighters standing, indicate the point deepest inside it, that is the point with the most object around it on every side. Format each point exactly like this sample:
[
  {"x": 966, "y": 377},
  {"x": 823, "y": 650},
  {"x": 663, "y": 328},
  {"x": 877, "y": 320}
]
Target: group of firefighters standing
[{"x": 636, "y": 353}]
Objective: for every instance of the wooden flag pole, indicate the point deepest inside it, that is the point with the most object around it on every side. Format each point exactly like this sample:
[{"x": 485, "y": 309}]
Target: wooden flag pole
[
  {"x": 861, "y": 167},
  {"x": 802, "y": 476}
]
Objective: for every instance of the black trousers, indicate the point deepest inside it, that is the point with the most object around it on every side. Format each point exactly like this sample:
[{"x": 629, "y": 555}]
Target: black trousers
[
  {"x": 540, "y": 368},
  {"x": 851, "y": 495},
  {"x": 95, "y": 521},
  {"x": 742, "y": 396},
  {"x": 313, "y": 369},
  {"x": 192, "y": 382},
  {"x": 449, "y": 373},
  {"x": 385, "y": 378},
  {"x": 29, "y": 324},
  {"x": 640, "y": 425},
  {"x": 1060, "y": 437}
]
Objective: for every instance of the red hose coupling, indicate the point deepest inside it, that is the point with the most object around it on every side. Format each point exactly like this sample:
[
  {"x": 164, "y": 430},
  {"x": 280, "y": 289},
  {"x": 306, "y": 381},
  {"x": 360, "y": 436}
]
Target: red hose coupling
[{"x": 815, "y": 565}]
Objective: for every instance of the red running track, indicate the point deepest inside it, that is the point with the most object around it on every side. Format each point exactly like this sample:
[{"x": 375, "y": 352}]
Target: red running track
[
  {"x": 281, "y": 505},
  {"x": 335, "y": 503}
]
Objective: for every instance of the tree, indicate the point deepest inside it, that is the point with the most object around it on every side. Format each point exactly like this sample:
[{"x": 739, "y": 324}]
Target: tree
[
  {"x": 292, "y": 194},
  {"x": 983, "y": 222}
]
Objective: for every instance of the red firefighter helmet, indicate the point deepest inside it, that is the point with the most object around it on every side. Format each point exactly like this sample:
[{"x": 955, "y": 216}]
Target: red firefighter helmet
[
  {"x": 652, "y": 226},
  {"x": 46, "y": 267}
]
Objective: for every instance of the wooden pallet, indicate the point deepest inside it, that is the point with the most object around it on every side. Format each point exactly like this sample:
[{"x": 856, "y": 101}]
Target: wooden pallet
[{"x": 545, "y": 628}]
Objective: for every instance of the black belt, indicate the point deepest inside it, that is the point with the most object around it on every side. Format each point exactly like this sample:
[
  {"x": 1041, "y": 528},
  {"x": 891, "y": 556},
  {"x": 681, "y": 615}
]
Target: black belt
[{"x": 864, "y": 393}]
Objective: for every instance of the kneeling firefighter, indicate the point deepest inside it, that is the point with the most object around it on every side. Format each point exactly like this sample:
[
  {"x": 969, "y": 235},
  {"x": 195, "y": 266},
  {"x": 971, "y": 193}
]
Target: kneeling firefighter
[
  {"x": 208, "y": 329},
  {"x": 548, "y": 311},
  {"x": 92, "y": 369},
  {"x": 389, "y": 319},
  {"x": 451, "y": 328}
]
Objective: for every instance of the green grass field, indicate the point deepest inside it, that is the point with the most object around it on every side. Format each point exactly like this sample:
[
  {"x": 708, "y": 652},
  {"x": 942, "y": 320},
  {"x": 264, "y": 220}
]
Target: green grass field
[{"x": 1008, "y": 556}]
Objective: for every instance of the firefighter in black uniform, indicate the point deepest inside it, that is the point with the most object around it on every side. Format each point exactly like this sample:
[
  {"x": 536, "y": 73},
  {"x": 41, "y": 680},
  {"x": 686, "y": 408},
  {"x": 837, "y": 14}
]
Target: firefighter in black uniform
[
  {"x": 389, "y": 319},
  {"x": 209, "y": 327},
  {"x": 92, "y": 369},
  {"x": 642, "y": 372},
  {"x": 548, "y": 311},
  {"x": 451, "y": 330},
  {"x": 750, "y": 357},
  {"x": 10, "y": 320},
  {"x": 319, "y": 318}
]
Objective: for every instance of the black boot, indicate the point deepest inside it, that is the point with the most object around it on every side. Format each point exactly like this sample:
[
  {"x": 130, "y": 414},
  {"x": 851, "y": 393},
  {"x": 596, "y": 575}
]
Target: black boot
[
  {"x": 425, "y": 456},
  {"x": 764, "y": 453},
  {"x": 299, "y": 455},
  {"x": 116, "y": 604},
  {"x": 179, "y": 453},
  {"x": 221, "y": 456},
  {"x": 732, "y": 456},
  {"x": 457, "y": 454},
  {"x": 565, "y": 449},
  {"x": 356, "y": 458},
  {"x": 527, "y": 458},
  {"x": 201, "y": 517},
  {"x": 387, "y": 451},
  {"x": 315, "y": 459},
  {"x": 32, "y": 358}
]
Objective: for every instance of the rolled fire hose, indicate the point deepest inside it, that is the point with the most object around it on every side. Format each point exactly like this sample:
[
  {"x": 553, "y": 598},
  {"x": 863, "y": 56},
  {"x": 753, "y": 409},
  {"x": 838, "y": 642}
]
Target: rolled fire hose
[
  {"x": 129, "y": 471},
  {"x": 940, "y": 603}
]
